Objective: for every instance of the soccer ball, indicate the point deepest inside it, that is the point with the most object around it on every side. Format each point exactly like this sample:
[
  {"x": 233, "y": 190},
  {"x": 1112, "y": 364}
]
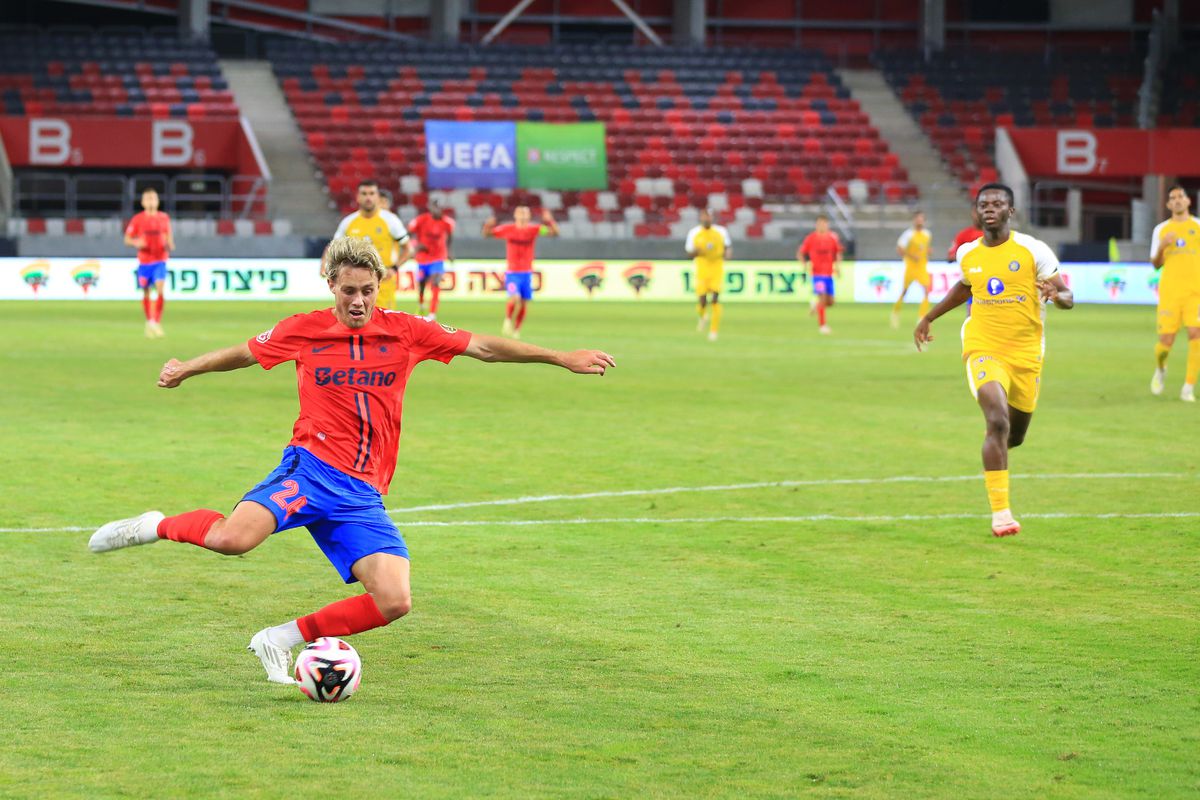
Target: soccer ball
[{"x": 328, "y": 670}]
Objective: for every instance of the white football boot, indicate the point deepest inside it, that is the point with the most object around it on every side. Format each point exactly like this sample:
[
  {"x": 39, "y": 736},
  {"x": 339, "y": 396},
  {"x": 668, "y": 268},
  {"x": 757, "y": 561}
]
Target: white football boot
[
  {"x": 1188, "y": 393},
  {"x": 126, "y": 532},
  {"x": 276, "y": 660},
  {"x": 1158, "y": 381}
]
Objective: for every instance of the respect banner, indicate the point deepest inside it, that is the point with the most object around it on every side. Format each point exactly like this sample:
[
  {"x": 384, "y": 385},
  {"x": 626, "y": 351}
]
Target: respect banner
[
  {"x": 1120, "y": 283},
  {"x": 299, "y": 279},
  {"x": 561, "y": 156}
]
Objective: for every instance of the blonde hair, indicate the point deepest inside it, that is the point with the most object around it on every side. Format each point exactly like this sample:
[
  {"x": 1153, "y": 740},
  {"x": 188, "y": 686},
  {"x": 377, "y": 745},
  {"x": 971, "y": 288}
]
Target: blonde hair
[{"x": 349, "y": 251}]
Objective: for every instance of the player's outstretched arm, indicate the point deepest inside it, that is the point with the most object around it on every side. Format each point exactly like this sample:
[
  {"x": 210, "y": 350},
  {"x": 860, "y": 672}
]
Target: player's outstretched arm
[
  {"x": 175, "y": 372},
  {"x": 957, "y": 295},
  {"x": 497, "y": 349}
]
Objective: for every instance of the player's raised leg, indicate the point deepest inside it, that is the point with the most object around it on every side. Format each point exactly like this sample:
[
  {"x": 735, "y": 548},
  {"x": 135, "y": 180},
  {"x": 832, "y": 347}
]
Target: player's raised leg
[{"x": 993, "y": 401}]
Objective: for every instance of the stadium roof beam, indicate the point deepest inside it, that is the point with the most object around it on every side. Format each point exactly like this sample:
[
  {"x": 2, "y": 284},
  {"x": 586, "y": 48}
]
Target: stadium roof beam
[
  {"x": 520, "y": 7},
  {"x": 933, "y": 27},
  {"x": 194, "y": 20},
  {"x": 445, "y": 18},
  {"x": 689, "y": 23}
]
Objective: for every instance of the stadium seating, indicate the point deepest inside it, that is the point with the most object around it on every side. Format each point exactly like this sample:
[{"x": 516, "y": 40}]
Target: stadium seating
[
  {"x": 1180, "y": 102},
  {"x": 959, "y": 98},
  {"x": 131, "y": 75},
  {"x": 730, "y": 129},
  {"x": 184, "y": 228}
]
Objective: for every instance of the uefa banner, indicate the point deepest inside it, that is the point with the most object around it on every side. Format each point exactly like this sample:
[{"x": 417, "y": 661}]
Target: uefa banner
[
  {"x": 299, "y": 279},
  {"x": 1121, "y": 283},
  {"x": 504, "y": 155},
  {"x": 554, "y": 156}
]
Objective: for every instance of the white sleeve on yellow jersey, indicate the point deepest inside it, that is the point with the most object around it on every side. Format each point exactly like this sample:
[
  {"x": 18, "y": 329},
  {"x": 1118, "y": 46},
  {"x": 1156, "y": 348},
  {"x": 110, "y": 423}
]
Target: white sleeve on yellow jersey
[
  {"x": 961, "y": 253},
  {"x": 1156, "y": 239},
  {"x": 343, "y": 225},
  {"x": 724, "y": 235},
  {"x": 395, "y": 226},
  {"x": 1044, "y": 261},
  {"x": 904, "y": 239},
  {"x": 690, "y": 244}
]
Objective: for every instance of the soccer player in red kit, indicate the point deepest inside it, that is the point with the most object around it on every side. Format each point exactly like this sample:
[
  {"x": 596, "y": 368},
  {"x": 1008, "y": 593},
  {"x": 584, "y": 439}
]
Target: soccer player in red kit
[
  {"x": 150, "y": 232},
  {"x": 352, "y": 364},
  {"x": 822, "y": 249},
  {"x": 965, "y": 236},
  {"x": 432, "y": 232},
  {"x": 520, "y": 237}
]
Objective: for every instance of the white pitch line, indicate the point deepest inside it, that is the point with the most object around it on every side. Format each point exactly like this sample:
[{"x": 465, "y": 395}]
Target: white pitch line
[
  {"x": 731, "y": 487},
  {"x": 712, "y": 520}
]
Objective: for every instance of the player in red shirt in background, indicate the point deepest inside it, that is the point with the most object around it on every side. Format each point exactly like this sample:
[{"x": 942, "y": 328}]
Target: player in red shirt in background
[
  {"x": 823, "y": 250},
  {"x": 432, "y": 231},
  {"x": 352, "y": 364},
  {"x": 150, "y": 232},
  {"x": 520, "y": 236},
  {"x": 966, "y": 235}
]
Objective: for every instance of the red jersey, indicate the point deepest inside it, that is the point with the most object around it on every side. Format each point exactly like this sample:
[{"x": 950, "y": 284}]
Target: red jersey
[
  {"x": 433, "y": 235},
  {"x": 520, "y": 243},
  {"x": 822, "y": 250},
  {"x": 968, "y": 234},
  {"x": 154, "y": 228},
  {"x": 351, "y": 382}
]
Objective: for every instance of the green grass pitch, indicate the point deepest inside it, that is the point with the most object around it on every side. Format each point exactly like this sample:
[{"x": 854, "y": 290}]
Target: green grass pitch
[{"x": 728, "y": 653}]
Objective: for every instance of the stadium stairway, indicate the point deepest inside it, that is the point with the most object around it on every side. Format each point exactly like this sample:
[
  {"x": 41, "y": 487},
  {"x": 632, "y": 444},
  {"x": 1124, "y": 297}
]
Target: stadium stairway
[
  {"x": 942, "y": 196},
  {"x": 297, "y": 193}
]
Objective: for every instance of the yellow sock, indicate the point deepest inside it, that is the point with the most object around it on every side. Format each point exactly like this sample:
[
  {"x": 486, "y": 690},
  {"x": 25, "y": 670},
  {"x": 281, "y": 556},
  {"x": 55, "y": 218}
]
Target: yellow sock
[
  {"x": 996, "y": 481},
  {"x": 899, "y": 304},
  {"x": 1161, "y": 351},
  {"x": 924, "y": 309},
  {"x": 1193, "y": 362},
  {"x": 715, "y": 325}
]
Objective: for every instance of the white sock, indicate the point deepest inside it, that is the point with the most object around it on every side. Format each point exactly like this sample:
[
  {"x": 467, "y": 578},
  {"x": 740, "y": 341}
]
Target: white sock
[
  {"x": 1002, "y": 517},
  {"x": 286, "y": 635}
]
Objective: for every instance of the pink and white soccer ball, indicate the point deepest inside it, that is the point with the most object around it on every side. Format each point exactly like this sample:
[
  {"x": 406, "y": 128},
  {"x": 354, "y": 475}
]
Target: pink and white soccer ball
[{"x": 328, "y": 670}]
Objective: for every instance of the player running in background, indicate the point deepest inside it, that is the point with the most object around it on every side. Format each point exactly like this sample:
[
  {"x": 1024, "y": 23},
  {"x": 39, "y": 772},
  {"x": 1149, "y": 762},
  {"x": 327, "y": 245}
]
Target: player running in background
[
  {"x": 1175, "y": 249},
  {"x": 967, "y": 234},
  {"x": 520, "y": 237},
  {"x": 432, "y": 232},
  {"x": 709, "y": 246},
  {"x": 913, "y": 246},
  {"x": 820, "y": 255},
  {"x": 386, "y": 232},
  {"x": 352, "y": 364},
  {"x": 150, "y": 232},
  {"x": 1009, "y": 275}
]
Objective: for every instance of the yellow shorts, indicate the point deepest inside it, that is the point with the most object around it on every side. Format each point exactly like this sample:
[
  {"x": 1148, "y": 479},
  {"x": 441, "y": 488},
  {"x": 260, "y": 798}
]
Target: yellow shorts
[
  {"x": 1178, "y": 312},
  {"x": 709, "y": 279},
  {"x": 387, "y": 292},
  {"x": 917, "y": 275},
  {"x": 1021, "y": 384}
]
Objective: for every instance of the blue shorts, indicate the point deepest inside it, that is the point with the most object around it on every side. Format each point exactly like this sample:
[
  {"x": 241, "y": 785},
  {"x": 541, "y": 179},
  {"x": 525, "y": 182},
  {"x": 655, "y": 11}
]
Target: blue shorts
[
  {"x": 823, "y": 284},
  {"x": 344, "y": 515},
  {"x": 519, "y": 283},
  {"x": 151, "y": 273},
  {"x": 424, "y": 271}
]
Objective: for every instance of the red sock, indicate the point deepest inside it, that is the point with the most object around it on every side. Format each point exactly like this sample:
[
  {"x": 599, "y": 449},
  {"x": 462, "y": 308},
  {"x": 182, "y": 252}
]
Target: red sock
[
  {"x": 146, "y": 306},
  {"x": 191, "y": 527},
  {"x": 508, "y": 311},
  {"x": 352, "y": 615},
  {"x": 521, "y": 316},
  {"x": 435, "y": 292},
  {"x": 420, "y": 293},
  {"x": 821, "y": 313},
  {"x": 158, "y": 305}
]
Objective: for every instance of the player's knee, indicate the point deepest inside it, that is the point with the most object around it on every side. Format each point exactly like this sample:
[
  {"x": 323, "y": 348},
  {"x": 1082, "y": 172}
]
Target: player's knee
[
  {"x": 998, "y": 426},
  {"x": 393, "y": 606},
  {"x": 1015, "y": 438},
  {"x": 230, "y": 540}
]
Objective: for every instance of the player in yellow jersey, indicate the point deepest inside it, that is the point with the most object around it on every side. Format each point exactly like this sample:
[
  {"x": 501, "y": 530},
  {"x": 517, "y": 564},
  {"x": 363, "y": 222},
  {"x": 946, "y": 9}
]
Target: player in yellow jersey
[
  {"x": 386, "y": 232},
  {"x": 709, "y": 246},
  {"x": 1008, "y": 276},
  {"x": 913, "y": 246},
  {"x": 1175, "y": 249}
]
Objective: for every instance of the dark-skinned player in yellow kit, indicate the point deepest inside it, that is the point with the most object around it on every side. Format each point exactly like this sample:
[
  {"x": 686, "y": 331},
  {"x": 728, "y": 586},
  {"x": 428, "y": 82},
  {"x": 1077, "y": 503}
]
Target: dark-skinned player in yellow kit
[{"x": 1008, "y": 276}]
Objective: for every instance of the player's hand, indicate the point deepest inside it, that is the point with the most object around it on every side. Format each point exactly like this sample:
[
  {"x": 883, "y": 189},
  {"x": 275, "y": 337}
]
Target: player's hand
[
  {"x": 1048, "y": 291},
  {"x": 140, "y": 243},
  {"x": 547, "y": 217},
  {"x": 172, "y": 374},
  {"x": 588, "y": 362},
  {"x": 921, "y": 334}
]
